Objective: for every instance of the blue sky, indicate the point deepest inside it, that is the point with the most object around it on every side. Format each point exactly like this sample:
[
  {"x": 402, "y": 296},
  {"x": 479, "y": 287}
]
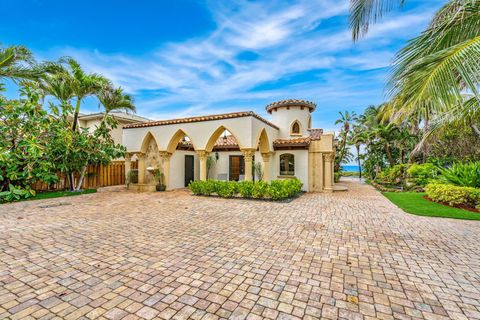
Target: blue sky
[{"x": 182, "y": 58}]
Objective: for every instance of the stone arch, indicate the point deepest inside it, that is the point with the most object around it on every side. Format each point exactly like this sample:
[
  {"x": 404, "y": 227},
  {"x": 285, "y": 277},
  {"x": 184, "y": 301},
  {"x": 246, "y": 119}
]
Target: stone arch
[
  {"x": 216, "y": 134},
  {"x": 146, "y": 141},
  {"x": 175, "y": 140},
  {"x": 263, "y": 142},
  {"x": 295, "y": 128}
]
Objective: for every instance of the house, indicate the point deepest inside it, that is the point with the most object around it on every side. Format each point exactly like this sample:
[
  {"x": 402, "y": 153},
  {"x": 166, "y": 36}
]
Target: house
[
  {"x": 90, "y": 121},
  {"x": 285, "y": 146}
]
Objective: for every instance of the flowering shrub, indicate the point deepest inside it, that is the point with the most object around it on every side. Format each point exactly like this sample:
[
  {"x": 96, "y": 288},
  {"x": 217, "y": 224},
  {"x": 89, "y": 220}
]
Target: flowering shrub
[
  {"x": 275, "y": 190},
  {"x": 453, "y": 195}
]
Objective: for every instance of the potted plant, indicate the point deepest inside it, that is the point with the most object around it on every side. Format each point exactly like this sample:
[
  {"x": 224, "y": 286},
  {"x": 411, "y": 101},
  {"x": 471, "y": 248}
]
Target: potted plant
[{"x": 159, "y": 178}]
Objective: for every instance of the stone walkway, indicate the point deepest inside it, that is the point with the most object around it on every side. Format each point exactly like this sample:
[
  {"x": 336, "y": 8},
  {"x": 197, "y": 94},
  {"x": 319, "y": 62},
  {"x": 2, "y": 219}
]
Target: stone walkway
[{"x": 125, "y": 255}]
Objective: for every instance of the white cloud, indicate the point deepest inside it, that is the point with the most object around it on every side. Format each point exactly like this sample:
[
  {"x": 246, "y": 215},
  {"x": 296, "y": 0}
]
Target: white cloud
[{"x": 288, "y": 39}]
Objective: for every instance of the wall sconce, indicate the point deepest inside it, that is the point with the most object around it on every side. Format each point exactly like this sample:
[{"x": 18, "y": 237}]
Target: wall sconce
[{"x": 217, "y": 155}]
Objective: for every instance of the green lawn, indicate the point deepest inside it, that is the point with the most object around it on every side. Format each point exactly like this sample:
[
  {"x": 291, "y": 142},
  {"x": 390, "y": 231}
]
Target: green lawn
[
  {"x": 58, "y": 194},
  {"x": 414, "y": 203}
]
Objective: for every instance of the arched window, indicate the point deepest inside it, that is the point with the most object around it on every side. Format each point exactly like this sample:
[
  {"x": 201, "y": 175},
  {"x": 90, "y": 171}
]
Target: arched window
[
  {"x": 287, "y": 164},
  {"x": 310, "y": 122},
  {"x": 295, "y": 128}
]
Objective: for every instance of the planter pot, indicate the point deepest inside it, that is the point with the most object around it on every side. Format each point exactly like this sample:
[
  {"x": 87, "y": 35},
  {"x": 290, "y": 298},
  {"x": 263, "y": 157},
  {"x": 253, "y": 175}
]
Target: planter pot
[{"x": 161, "y": 187}]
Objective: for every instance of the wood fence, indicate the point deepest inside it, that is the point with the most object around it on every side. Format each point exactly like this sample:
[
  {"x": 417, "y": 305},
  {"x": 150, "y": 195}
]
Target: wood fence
[{"x": 96, "y": 176}]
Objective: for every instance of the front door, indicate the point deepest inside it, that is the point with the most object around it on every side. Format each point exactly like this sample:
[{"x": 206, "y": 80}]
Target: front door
[
  {"x": 189, "y": 169},
  {"x": 236, "y": 168}
]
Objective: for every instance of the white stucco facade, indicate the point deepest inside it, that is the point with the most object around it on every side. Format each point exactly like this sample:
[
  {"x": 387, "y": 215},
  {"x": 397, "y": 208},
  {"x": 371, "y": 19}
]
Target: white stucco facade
[{"x": 234, "y": 142}]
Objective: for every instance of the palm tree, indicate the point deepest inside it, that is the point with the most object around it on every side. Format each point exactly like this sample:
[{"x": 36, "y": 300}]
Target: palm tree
[
  {"x": 358, "y": 137},
  {"x": 69, "y": 80},
  {"x": 114, "y": 99},
  {"x": 346, "y": 118},
  {"x": 16, "y": 62}
]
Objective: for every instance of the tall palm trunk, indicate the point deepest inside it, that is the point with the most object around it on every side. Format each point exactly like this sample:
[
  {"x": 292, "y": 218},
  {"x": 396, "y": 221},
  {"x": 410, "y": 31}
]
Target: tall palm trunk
[
  {"x": 388, "y": 152},
  {"x": 357, "y": 146},
  {"x": 76, "y": 113}
]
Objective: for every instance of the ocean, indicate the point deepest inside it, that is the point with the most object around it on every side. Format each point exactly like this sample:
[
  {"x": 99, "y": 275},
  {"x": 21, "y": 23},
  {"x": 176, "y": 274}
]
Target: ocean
[{"x": 351, "y": 168}]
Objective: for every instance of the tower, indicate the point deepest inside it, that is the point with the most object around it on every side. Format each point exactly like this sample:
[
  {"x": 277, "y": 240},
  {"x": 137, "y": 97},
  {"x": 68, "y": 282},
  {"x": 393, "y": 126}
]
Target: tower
[{"x": 292, "y": 116}]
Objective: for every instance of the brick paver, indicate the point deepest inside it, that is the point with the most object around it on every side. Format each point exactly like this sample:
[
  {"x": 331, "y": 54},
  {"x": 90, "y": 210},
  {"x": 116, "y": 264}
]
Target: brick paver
[{"x": 125, "y": 255}]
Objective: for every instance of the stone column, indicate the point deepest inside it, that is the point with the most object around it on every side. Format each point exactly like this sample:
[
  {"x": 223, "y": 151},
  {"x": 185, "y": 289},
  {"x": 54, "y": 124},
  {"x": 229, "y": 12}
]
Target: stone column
[
  {"x": 266, "y": 166},
  {"x": 203, "y": 155},
  {"x": 141, "y": 168},
  {"x": 328, "y": 159},
  {"x": 128, "y": 165},
  {"x": 165, "y": 155},
  {"x": 248, "y": 157}
]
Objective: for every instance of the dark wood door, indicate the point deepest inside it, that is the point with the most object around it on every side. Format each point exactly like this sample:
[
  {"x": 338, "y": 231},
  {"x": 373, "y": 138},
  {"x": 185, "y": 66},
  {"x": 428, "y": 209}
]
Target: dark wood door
[
  {"x": 189, "y": 169},
  {"x": 236, "y": 167}
]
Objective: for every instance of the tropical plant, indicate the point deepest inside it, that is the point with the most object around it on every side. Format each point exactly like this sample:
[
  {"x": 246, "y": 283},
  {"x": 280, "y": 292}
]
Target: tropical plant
[
  {"x": 211, "y": 161},
  {"x": 462, "y": 174},
  {"x": 345, "y": 120},
  {"x": 17, "y": 63},
  {"x": 258, "y": 170},
  {"x": 26, "y": 132},
  {"x": 422, "y": 174}
]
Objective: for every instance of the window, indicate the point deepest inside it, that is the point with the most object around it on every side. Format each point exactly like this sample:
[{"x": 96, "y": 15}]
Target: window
[
  {"x": 310, "y": 122},
  {"x": 287, "y": 164},
  {"x": 295, "y": 128}
]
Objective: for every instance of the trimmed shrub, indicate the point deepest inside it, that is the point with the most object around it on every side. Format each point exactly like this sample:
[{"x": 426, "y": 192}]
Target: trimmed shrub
[
  {"x": 422, "y": 174},
  {"x": 226, "y": 189},
  {"x": 462, "y": 174},
  {"x": 245, "y": 188},
  {"x": 260, "y": 189},
  {"x": 275, "y": 190},
  {"x": 196, "y": 187},
  {"x": 453, "y": 195}
]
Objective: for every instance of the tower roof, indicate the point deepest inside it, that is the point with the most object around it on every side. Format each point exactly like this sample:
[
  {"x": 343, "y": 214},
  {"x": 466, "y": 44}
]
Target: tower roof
[{"x": 291, "y": 103}]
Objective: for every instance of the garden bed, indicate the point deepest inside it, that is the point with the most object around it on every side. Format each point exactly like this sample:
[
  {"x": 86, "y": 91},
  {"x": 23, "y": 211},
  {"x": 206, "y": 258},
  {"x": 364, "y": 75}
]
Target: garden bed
[
  {"x": 416, "y": 203},
  {"x": 460, "y": 206}
]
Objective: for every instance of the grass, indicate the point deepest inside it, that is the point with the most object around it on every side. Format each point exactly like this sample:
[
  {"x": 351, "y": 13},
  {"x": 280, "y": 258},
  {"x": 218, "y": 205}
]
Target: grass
[
  {"x": 414, "y": 203},
  {"x": 58, "y": 194}
]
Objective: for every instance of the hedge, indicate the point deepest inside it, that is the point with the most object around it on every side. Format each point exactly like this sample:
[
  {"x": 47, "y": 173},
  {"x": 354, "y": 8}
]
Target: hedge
[
  {"x": 453, "y": 195},
  {"x": 274, "y": 190}
]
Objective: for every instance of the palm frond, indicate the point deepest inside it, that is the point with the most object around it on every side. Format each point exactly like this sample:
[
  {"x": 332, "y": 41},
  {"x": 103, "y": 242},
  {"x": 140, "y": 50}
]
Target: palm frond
[{"x": 365, "y": 12}]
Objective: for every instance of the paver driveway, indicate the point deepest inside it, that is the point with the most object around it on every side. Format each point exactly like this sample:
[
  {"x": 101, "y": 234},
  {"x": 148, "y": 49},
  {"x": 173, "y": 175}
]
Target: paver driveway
[{"x": 124, "y": 255}]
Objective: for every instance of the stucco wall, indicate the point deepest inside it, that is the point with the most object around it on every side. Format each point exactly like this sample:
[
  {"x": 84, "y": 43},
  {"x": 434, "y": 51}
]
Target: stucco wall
[
  {"x": 284, "y": 118},
  {"x": 177, "y": 168},
  {"x": 301, "y": 166}
]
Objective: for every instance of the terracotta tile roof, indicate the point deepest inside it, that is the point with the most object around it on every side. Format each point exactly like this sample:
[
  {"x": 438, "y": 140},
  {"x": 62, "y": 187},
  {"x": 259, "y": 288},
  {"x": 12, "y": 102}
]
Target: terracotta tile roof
[
  {"x": 230, "y": 141},
  {"x": 315, "y": 134},
  {"x": 200, "y": 118},
  {"x": 291, "y": 103}
]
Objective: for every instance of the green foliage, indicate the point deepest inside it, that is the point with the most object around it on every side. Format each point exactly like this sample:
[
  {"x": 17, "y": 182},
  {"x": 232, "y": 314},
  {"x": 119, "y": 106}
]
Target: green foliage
[
  {"x": 462, "y": 174},
  {"x": 275, "y": 190},
  {"x": 453, "y": 195},
  {"x": 393, "y": 175},
  {"x": 337, "y": 175},
  {"x": 196, "y": 187},
  {"x": 245, "y": 188},
  {"x": 25, "y": 144},
  {"x": 422, "y": 174},
  {"x": 258, "y": 170},
  {"x": 260, "y": 190},
  {"x": 226, "y": 189}
]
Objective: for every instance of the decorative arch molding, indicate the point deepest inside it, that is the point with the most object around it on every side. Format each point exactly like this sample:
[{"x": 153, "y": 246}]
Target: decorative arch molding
[
  {"x": 216, "y": 134},
  {"x": 295, "y": 128},
  {"x": 262, "y": 141},
  {"x": 175, "y": 140},
  {"x": 146, "y": 140}
]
